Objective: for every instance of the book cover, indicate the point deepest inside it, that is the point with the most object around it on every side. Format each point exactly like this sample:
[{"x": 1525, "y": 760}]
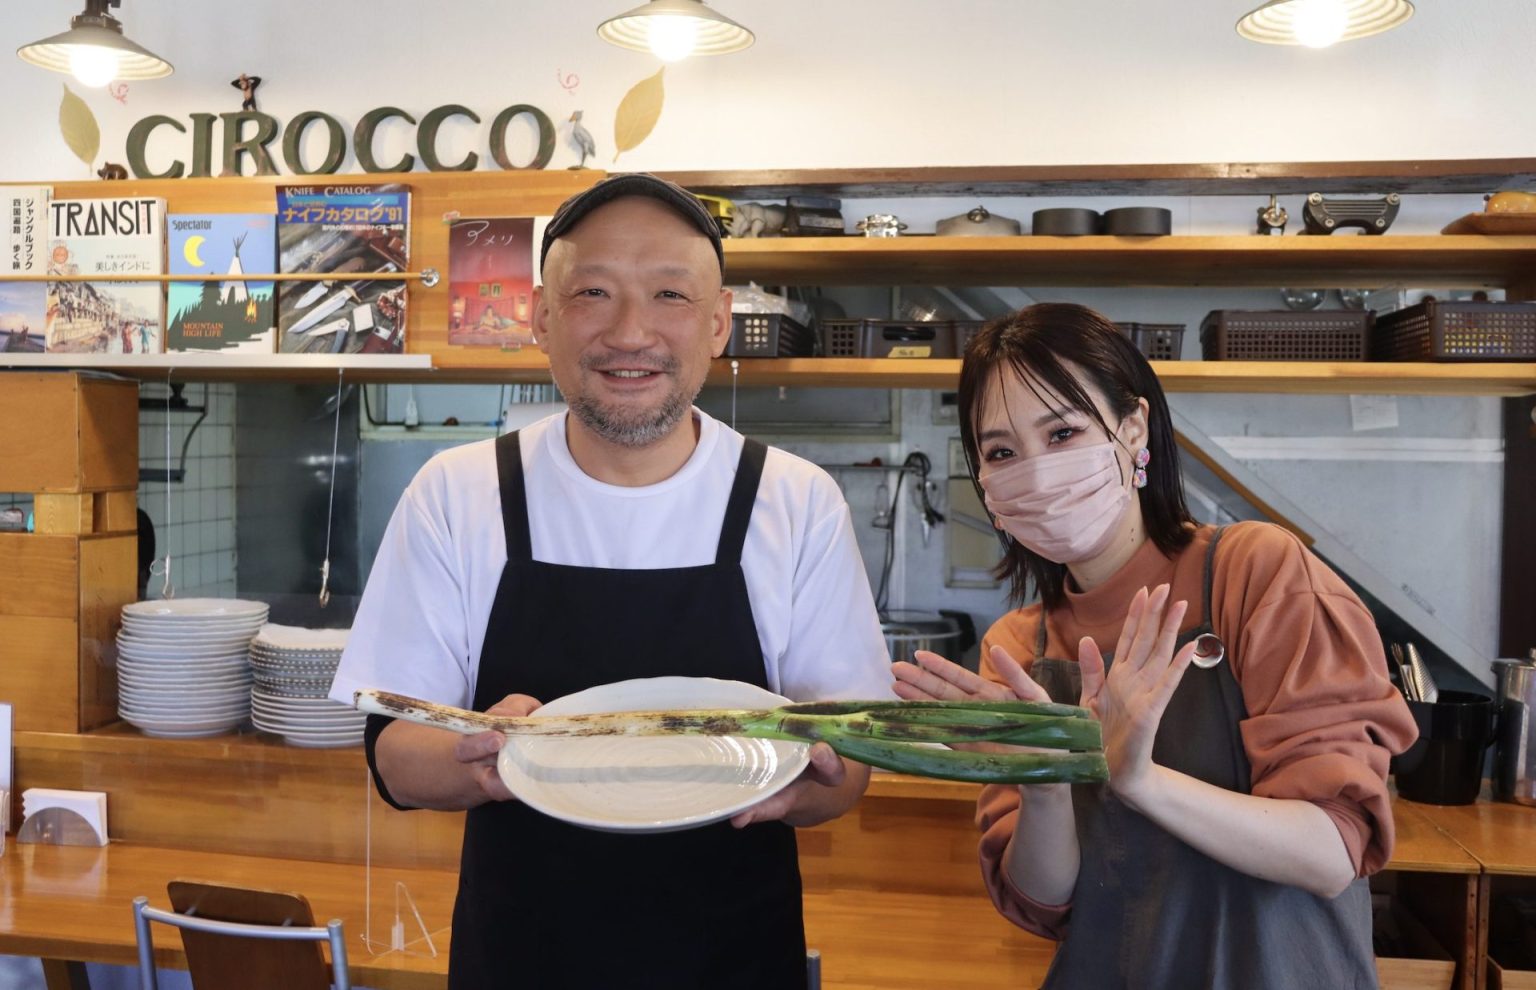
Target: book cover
[
  {"x": 23, "y": 305},
  {"x": 343, "y": 231},
  {"x": 227, "y": 314},
  {"x": 104, "y": 237},
  {"x": 490, "y": 282}
]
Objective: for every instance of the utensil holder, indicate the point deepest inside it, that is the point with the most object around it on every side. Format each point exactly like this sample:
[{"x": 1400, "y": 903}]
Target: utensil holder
[{"x": 1445, "y": 765}]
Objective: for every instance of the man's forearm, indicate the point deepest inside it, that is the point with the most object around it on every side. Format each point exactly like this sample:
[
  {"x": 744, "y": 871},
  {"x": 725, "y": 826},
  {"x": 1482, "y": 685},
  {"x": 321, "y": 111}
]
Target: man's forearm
[
  {"x": 417, "y": 764},
  {"x": 819, "y": 803}
]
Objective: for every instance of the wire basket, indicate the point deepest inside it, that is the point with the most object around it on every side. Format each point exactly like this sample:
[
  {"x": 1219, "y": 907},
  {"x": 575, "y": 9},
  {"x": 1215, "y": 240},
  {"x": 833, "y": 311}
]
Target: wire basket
[
  {"x": 1285, "y": 335},
  {"x": 769, "y": 335},
  {"x": 1156, "y": 341},
  {"x": 1456, "y": 331}
]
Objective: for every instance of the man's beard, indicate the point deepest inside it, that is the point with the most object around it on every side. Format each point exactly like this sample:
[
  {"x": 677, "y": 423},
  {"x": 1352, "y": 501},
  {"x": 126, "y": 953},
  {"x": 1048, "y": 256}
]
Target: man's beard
[{"x": 634, "y": 427}]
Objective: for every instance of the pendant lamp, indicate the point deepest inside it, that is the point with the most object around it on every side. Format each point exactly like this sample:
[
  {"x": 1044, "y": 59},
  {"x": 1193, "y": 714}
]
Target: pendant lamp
[
  {"x": 94, "y": 50},
  {"x": 1320, "y": 23},
  {"x": 675, "y": 29}
]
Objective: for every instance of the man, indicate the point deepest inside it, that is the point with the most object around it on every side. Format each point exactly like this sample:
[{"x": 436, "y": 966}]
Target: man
[{"x": 632, "y": 537}]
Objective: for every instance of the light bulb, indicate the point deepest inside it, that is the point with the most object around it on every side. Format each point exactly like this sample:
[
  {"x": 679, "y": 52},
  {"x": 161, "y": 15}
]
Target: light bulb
[
  {"x": 1319, "y": 23},
  {"x": 672, "y": 38},
  {"x": 92, "y": 64}
]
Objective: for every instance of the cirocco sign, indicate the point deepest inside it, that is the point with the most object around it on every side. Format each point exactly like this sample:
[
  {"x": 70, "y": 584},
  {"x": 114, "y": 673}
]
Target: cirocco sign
[{"x": 248, "y": 133}]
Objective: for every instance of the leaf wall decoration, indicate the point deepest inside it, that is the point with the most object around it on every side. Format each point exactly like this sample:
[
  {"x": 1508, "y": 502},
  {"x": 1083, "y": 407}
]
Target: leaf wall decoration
[
  {"x": 638, "y": 113},
  {"x": 79, "y": 127}
]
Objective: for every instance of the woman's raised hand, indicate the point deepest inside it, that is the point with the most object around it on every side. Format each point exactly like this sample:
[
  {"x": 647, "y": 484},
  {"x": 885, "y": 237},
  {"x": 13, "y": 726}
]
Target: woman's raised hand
[
  {"x": 1130, "y": 702},
  {"x": 932, "y": 678}
]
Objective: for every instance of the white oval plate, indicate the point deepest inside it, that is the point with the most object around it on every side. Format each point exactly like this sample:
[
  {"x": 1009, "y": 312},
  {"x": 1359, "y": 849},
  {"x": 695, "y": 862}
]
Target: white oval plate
[{"x": 655, "y": 783}]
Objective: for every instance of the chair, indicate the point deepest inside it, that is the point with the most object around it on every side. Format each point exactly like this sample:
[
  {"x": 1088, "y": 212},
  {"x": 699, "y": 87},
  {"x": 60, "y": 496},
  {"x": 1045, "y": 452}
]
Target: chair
[{"x": 237, "y": 938}]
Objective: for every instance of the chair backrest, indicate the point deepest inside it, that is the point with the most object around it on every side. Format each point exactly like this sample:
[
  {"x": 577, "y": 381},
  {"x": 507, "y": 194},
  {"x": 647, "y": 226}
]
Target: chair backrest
[{"x": 237, "y": 938}]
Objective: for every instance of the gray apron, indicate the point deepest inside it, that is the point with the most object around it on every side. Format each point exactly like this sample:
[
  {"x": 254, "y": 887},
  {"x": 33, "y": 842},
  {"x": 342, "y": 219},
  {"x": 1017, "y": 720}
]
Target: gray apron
[{"x": 1152, "y": 913}]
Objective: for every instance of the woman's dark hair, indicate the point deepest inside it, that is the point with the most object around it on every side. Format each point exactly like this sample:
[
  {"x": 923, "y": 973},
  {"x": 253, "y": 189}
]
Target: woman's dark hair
[{"x": 1036, "y": 343}]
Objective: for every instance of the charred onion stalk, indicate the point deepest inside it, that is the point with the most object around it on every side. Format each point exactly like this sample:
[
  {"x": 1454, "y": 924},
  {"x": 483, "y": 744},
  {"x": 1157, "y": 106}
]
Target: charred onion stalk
[{"x": 879, "y": 733}]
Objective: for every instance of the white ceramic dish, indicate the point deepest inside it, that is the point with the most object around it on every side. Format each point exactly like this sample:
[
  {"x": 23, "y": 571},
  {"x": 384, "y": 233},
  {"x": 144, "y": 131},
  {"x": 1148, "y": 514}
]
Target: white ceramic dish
[
  {"x": 183, "y": 697},
  {"x": 195, "y": 608},
  {"x": 657, "y": 783},
  {"x": 304, "y": 705},
  {"x": 282, "y": 637},
  {"x": 174, "y": 666},
  {"x": 185, "y": 725}
]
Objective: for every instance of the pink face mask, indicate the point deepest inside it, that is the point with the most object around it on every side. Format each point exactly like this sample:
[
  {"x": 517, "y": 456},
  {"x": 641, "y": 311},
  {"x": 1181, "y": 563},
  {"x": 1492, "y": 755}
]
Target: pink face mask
[{"x": 1063, "y": 505}]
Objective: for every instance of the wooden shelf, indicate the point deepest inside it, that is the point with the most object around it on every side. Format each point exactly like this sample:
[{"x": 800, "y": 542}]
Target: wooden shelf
[
  {"x": 233, "y": 367},
  {"x": 1312, "y": 377},
  {"x": 1452, "y": 175},
  {"x": 1292, "y": 377},
  {"x": 1342, "y": 262}
]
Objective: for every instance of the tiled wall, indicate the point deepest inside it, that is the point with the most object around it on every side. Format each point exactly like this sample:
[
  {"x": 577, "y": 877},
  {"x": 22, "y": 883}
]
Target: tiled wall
[{"x": 197, "y": 528}]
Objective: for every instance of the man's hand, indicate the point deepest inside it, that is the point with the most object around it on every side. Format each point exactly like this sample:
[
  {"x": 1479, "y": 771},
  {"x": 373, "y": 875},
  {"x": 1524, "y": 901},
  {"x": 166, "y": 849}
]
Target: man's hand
[
  {"x": 480, "y": 750},
  {"x": 808, "y": 800}
]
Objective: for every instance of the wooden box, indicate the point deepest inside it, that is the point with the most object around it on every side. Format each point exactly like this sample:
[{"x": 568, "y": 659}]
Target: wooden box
[
  {"x": 1418, "y": 961},
  {"x": 68, "y": 432},
  {"x": 61, "y": 598},
  {"x": 1500, "y": 978}
]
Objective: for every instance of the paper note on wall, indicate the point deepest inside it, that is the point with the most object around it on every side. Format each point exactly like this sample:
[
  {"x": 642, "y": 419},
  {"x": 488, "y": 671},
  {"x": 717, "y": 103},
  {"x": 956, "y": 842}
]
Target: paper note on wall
[{"x": 1372, "y": 412}]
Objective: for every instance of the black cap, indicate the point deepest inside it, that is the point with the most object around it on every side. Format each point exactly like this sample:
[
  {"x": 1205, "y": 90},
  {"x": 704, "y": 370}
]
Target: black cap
[{"x": 683, "y": 203}]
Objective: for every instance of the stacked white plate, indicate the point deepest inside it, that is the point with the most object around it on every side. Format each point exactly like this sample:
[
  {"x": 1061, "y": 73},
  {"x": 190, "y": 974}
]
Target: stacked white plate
[
  {"x": 292, "y": 669},
  {"x": 183, "y": 667}
]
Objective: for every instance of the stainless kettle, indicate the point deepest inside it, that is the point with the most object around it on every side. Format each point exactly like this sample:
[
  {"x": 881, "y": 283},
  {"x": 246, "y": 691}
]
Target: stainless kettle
[{"x": 1514, "y": 758}]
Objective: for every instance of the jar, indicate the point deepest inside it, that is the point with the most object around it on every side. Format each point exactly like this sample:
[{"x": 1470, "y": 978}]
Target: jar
[{"x": 881, "y": 225}]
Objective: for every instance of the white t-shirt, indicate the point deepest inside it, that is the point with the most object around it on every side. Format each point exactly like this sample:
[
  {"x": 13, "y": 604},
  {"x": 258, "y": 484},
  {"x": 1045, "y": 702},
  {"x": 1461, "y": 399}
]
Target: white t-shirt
[{"x": 423, "y": 615}]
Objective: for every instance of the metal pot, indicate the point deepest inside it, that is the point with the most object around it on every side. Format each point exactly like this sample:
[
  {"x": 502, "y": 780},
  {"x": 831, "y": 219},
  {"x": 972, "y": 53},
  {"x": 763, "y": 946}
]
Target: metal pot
[
  {"x": 907, "y": 631},
  {"x": 1514, "y": 757}
]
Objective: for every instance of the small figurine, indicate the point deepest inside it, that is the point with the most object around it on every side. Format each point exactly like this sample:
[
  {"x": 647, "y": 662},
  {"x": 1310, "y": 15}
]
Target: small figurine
[
  {"x": 758, "y": 220},
  {"x": 582, "y": 138},
  {"x": 111, "y": 171},
  {"x": 1272, "y": 218},
  {"x": 247, "y": 87}
]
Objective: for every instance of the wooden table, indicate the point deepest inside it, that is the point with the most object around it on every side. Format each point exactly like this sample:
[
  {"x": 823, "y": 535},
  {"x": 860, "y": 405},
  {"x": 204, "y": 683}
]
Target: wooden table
[
  {"x": 71, "y": 905},
  {"x": 893, "y": 897},
  {"x": 1501, "y": 837}
]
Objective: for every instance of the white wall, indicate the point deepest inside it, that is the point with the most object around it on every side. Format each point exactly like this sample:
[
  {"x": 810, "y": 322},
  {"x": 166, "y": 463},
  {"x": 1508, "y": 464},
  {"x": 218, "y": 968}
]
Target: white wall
[{"x": 850, "y": 83}]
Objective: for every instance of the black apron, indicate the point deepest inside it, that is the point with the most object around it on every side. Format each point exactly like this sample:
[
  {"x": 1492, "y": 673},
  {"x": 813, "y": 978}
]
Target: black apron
[
  {"x": 1150, "y": 912},
  {"x": 546, "y": 905}
]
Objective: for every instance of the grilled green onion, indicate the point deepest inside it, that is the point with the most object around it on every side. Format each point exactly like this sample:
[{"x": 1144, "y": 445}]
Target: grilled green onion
[{"x": 888, "y": 734}]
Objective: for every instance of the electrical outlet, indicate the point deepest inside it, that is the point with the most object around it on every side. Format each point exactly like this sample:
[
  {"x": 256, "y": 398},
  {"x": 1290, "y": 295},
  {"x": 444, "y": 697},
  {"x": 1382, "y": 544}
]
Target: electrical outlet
[{"x": 946, "y": 408}]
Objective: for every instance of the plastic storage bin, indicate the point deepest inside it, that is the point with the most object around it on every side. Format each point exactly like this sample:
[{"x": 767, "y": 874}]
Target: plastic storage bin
[
  {"x": 896, "y": 338},
  {"x": 769, "y": 335},
  {"x": 1456, "y": 331},
  {"x": 1286, "y": 335},
  {"x": 1156, "y": 341}
]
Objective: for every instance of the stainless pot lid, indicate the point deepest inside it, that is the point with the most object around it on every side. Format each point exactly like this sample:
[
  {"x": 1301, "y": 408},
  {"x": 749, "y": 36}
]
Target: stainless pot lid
[{"x": 977, "y": 223}]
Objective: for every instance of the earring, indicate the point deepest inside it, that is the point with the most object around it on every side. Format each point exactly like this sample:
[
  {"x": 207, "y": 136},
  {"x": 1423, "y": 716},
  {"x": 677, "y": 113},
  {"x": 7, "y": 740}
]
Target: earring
[{"x": 1141, "y": 460}]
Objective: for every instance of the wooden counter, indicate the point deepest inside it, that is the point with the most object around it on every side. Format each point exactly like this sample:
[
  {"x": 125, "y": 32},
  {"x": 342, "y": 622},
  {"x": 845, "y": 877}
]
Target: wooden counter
[
  {"x": 1501, "y": 836},
  {"x": 893, "y": 899},
  {"x": 69, "y": 903}
]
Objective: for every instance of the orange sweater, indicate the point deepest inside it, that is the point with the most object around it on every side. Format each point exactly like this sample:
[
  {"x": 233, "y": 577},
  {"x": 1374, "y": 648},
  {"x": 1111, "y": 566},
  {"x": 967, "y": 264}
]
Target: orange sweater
[{"x": 1323, "y": 720}]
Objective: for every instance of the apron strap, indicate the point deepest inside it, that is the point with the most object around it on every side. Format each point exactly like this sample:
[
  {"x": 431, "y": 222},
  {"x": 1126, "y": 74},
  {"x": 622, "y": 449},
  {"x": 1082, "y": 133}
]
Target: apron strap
[
  {"x": 1040, "y": 636},
  {"x": 514, "y": 498},
  {"x": 1210, "y": 558},
  {"x": 738, "y": 511}
]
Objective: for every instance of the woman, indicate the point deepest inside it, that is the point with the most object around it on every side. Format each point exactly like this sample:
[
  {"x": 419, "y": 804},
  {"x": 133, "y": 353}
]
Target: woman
[{"x": 1247, "y": 797}]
